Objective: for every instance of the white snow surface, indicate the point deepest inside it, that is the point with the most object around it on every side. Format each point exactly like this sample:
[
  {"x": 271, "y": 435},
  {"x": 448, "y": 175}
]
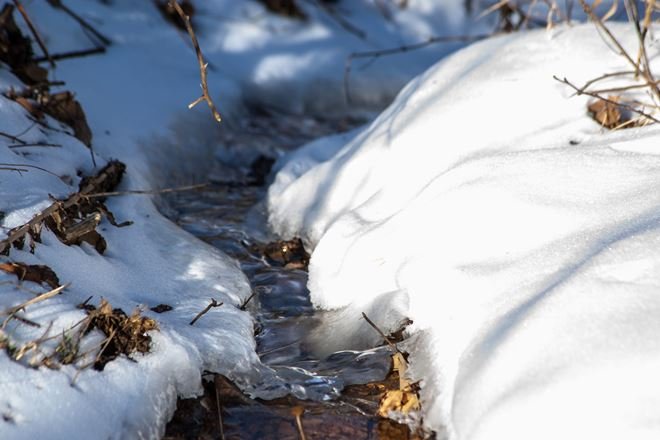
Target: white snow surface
[
  {"x": 135, "y": 97},
  {"x": 520, "y": 237}
]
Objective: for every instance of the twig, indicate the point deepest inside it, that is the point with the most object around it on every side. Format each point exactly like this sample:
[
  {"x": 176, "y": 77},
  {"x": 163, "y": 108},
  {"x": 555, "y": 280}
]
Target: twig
[
  {"x": 601, "y": 25},
  {"x": 245, "y": 303},
  {"x": 37, "y": 37},
  {"x": 648, "y": 15},
  {"x": 29, "y": 166},
  {"x": 202, "y": 64},
  {"x": 148, "y": 191},
  {"x": 605, "y": 76},
  {"x": 18, "y": 170},
  {"x": 633, "y": 15},
  {"x": 212, "y": 304},
  {"x": 380, "y": 332},
  {"x": 594, "y": 95},
  {"x": 44, "y": 296},
  {"x": 26, "y": 321},
  {"x": 297, "y": 412},
  {"x": 59, "y": 5},
  {"x": 38, "y": 144},
  {"x": 12, "y": 137},
  {"x": 73, "y": 54},
  {"x": 622, "y": 88},
  {"x": 401, "y": 49},
  {"x": 102, "y": 346}
]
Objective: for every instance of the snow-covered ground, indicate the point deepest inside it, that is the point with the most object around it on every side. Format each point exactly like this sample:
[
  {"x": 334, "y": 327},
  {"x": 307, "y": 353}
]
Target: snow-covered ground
[
  {"x": 518, "y": 235},
  {"x": 483, "y": 203},
  {"x": 135, "y": 98}
]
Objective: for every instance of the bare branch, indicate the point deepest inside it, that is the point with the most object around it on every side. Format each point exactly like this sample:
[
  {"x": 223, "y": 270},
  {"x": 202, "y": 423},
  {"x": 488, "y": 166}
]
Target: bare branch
[
  {"x": 380, "y": 332},
  {"x": 202, "y": 64},
  {"x": 73, "y": 54},
  {"x": 149, "y": 191},
  {"x": 37, "y": 37},
  {"x": 22, "y": 165},
  {"x": 602, "y": 98},
  {"x": 43, "y": 297},
  {"x": 85, "y": 25}
]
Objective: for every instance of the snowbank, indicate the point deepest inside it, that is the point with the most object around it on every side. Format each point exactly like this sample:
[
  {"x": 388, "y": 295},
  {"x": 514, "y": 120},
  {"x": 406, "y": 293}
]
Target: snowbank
[
  {"x": 520, "y": 237},
  {"x": 135, "y": 97}
]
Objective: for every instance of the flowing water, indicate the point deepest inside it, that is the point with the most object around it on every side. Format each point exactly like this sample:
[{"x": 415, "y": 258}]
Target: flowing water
[{"x": 228, "y": 214}]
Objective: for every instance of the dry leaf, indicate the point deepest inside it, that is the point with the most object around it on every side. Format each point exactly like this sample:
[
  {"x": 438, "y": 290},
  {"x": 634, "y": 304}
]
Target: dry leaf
[
  {"x": 607, "y": 114},
  {"x": 405, "y": 398},
  {"x": 35, "y": 273},
  {"x": 125, "y": 334}
]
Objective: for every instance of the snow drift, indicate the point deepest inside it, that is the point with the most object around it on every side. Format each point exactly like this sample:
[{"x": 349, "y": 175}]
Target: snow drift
[{"x": 518, "y": 235}]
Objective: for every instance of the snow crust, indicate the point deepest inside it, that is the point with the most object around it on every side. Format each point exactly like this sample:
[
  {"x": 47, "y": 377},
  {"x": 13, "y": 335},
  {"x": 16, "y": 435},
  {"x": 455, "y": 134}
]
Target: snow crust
[{"x": 519, "y": 236}]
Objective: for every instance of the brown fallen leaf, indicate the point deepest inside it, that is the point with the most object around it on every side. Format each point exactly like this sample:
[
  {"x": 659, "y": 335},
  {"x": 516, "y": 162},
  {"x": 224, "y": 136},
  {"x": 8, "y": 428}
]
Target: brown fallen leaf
[
  {"x": 64, "y": 107},
  {"x": 607, "y": 114},
  {"x": 32, "y": 272},
  {"x": 124, "y": 334},
  {"x": 405, "y": 398},
  {"x": 289, "y": 253}
]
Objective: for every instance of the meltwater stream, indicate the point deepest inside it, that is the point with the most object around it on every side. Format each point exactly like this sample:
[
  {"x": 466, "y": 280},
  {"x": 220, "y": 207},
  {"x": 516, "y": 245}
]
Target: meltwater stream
[
  {"x": 281, "y": 305},
  {"x": 226, "y": 214}
]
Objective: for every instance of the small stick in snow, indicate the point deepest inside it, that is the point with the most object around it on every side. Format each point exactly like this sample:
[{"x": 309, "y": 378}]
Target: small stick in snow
[
  {"x": 22, "y": 165},
  {"x": 44, "y": 144},
  {"x": 212, "y": 304},
  {"x": 44, "y": 296},
  {"x": 12, "y": 138},
  {"x": 202, "y": 64},
  {"x": 148, "y": 191},
  {"x": 245, "y": 303},
  {"x": 380, "y": 332},
  {"x": 18, "y": 170},
  {"x": 37, "y": 37}
]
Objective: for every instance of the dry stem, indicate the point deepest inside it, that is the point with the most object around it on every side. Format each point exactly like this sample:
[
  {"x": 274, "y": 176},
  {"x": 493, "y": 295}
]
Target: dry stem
[
  {"x": 202, "y": 64},
  {"x": 212, "y": 304},
  {"x": 43, "y": 297},
  {"x": 148, "y": 191},
  {"x": 579, "y": 91},
  {"x": 380, "y": 332},
  {"x": 59, "y": 5},
  {"x": 37, "y": 37}
]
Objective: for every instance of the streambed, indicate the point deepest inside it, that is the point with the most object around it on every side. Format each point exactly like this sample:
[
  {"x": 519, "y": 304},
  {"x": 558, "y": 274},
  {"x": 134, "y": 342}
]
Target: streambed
[{"x": 337, "y": 396}]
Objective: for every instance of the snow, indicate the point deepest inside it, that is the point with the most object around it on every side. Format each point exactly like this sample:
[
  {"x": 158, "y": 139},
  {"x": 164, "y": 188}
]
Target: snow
[
  {"x": 483, "y": 203},
  {"x": 519, "y": 236},
  {"x": 135, "y": 97}
]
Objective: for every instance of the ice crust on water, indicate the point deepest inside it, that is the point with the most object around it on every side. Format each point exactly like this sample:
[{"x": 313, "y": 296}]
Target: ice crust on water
[{"x": 519, "y": 236}]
